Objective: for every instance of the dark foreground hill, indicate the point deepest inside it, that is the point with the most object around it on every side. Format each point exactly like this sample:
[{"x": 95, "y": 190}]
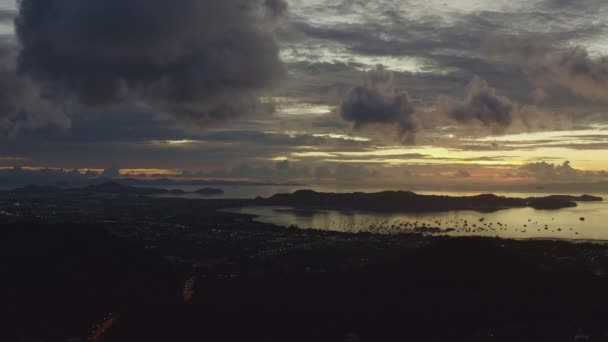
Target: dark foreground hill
[
  {"x": 171, "y": 269},
  {"x": 60, "y": 280}
]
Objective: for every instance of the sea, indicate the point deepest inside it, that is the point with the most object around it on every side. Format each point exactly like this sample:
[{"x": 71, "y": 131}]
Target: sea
[{"x": 586, "y": 222}]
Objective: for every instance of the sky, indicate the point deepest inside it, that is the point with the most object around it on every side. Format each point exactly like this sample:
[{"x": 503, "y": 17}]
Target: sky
[{"x": 391, "y": 92}]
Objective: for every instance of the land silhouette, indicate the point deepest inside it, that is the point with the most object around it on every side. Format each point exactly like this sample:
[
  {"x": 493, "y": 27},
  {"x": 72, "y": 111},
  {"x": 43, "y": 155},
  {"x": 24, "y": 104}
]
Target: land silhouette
[{"x": 121, "y": 264}]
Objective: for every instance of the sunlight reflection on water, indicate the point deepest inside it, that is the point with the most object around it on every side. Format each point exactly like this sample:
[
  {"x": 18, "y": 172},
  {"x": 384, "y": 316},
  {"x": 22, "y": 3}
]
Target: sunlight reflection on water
[{"x": 517, "y": 223}]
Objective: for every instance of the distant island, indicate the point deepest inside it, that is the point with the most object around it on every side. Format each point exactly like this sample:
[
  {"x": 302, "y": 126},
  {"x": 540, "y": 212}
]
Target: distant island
[
  {"x": 110, "y": 188},
  {"x": 210, "y": 192},
  {"x": 387, "y": 201},
  {"x": 406, "y": 201}
]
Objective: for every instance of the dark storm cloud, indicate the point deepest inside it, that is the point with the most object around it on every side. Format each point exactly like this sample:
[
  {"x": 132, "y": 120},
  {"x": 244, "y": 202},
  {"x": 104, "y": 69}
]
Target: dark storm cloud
[
  {"x": 121, "y": 124},
  {"x": 551, "y": 66},
  {"x": 278, "y": 8},
  {"x": 168, "y": 61},
  {"x": 7, "y": 15},
  {"x": 378, "y": 102},
  {"x": 481, "y": 104},
  {"x": 202, "y": 60},
  {"x": 23, "y": 106}
]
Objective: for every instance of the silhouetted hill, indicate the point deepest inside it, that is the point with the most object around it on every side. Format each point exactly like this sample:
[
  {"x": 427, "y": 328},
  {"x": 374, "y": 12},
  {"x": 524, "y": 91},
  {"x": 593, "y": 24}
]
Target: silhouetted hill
[
  {"x": 409, "y": 201},
  {"x": 583, "y": 198},
  {"x": 108, "y": 188},
  {"x": 113, "y": 188},
  {"x": 210, "y": 192},
  {"x": 39, "y": 189}
]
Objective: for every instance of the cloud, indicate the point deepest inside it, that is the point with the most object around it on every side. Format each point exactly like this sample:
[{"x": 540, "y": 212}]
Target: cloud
[
  {"x": 18, "y": 175},
  {"x": 283, "y": 170},
  {"x": 111, "y": 172},
  {"x": 544, "y": 171},
  {"x": 278, "y": 8},
  {"x": 322, "y": 172},
  {"x": 7, "y": 15},
  {"x": 23, "y": 105},
  {"x": 198, "y": 59},
  {"x": 462, "y": 174},
  {"x": 378, "y": 102},
  {"x": 346, "y": 172},
  {"x": 572, "y": 68},
  {"x": 282, "y": 165},
  {"x": 481, "y": 104}
]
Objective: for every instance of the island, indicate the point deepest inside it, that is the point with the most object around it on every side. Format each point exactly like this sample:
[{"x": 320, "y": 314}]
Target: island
[
  {"x": 108, "y": 189},
  {"x": 210, "y": 192},
  {"x": 407, "y": 201}
]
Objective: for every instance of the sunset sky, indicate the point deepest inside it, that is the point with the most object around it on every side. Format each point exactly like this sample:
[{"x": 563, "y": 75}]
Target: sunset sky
[{"x": 377, "y": 91}]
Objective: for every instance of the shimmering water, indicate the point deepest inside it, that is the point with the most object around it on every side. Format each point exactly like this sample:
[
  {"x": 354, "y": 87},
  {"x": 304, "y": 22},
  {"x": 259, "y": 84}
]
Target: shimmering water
[{"x": 517, "y": 223}]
